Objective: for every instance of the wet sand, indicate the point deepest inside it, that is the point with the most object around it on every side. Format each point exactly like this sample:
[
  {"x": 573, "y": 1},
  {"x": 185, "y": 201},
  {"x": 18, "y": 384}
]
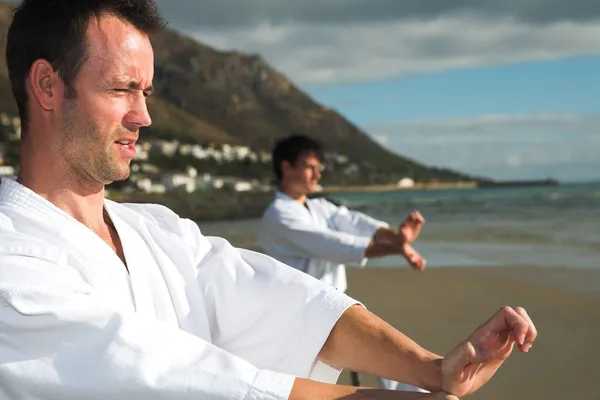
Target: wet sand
[{"x": 440, "y": 307}]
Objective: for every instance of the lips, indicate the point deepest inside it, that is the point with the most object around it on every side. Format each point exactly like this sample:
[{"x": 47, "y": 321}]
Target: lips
[
  {"x": 126, "y": 142},
  {"x": 127, "y": 147}
]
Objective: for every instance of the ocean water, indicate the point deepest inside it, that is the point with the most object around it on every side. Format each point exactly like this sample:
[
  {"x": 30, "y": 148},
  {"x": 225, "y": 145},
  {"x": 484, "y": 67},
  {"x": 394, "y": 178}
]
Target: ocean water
[{"x": 553, "y": 226}]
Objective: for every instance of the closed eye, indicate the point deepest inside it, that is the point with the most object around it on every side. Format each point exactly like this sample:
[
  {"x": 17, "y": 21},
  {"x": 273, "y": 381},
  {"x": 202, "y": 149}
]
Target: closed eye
[{"x": 146, "y": 93}]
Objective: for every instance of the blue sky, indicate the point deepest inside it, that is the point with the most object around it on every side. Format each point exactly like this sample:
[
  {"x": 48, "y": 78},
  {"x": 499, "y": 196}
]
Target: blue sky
[
  {"x": 556, "y": 103},
  {"x": 504, "y": 89},
  {"x": 570, "y": 85}
]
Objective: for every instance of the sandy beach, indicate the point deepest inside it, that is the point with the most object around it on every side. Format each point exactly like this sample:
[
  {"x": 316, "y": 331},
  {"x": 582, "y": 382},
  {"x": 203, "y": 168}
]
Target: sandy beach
[{"x": 441, "y": 306}]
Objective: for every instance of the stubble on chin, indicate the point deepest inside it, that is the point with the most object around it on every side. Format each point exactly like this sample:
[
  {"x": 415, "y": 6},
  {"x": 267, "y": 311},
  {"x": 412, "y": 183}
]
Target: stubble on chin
[{"x": 86, "y": 150}]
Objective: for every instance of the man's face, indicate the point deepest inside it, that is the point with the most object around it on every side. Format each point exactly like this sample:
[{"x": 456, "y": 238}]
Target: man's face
[
  {"x": 100, "y": 125},
  {"x": 305, "y": 174}
]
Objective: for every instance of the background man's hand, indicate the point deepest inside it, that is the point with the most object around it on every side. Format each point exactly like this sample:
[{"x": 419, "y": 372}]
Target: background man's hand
[
  {"x": 411, "y": 227},
  {"x": 470, "y": 365},
  {"x": 406, "y": 234},
  {"x": 410, "y": 230},
  {"x": 413, "y": 257}
]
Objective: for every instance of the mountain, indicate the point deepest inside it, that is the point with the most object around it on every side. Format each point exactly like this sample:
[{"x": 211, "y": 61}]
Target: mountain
[{"x": 205, "y": 95}]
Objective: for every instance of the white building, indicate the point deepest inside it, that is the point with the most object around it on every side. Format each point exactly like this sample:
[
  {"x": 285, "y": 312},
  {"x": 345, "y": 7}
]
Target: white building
[
  {"x": 141, "y": 152},
  {"x": 149, "y": 168},
  {"x": 241, "y": 152},
  {"x": 243, "y": 186},
  {"x": 7, "y": 170},
  {"x": 405, "y": 183},
  {"x": 148, "y": 186},
  {"x": 178, "y": 182}
]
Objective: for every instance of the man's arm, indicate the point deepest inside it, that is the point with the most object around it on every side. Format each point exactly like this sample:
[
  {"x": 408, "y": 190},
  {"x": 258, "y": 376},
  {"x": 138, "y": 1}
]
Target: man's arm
[
  {"x": 301, "y": 237},
  {"x": 377, "y": 250},
  {"x": 387, "y": 241},
  {"x": 305, "y": 389},
  {"x": 353, "y": 222},
  {"x": 362, "y": 342}
]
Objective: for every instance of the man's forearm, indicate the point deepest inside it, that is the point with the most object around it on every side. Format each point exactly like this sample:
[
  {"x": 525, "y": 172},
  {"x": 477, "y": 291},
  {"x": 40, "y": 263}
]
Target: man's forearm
[
  {"x": 363, "y": 342},
  {"x": 378, "y": 250},
  {"x": 305, "y": 389}
]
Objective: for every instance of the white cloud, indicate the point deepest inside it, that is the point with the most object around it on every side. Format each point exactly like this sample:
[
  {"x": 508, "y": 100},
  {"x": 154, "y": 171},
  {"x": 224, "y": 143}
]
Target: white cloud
[
  {"x": 367, "y": 50},
  {"x": 533, "y": 128},
  {"x": 225, "y": 14},
  {"x": 503, "y": 146},
  {"x": 381, "y": 139}
]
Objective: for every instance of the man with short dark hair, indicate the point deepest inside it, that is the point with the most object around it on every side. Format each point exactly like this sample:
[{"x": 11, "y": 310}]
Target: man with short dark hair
[
  {"x": 101, "y": 300},
  {"x": 318, "y": 237}
]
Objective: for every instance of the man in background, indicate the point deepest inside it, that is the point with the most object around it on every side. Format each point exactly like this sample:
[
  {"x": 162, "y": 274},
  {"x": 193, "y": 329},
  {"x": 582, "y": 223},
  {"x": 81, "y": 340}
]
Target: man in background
[{"x": 320, "y": 238}]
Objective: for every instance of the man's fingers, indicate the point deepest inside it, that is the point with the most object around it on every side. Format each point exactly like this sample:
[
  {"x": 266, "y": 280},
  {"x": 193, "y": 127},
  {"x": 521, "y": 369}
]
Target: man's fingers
[
  {"x": 418, "y": 217},
  {"x": 519, "y": 326},
  {"x": 531, "y": 332},
  {"x": 413, "y": 257},
  {"x": 415, "y": 217},
  {"x": 506, "y": 319}
]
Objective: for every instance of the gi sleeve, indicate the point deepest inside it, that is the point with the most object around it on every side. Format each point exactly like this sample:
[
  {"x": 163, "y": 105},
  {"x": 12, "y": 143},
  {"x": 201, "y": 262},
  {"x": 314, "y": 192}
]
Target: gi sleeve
[
  {"x": 272, "y": 315},
  {"x": 302, "y": 238},
  {"x": 353, "y": 222}
]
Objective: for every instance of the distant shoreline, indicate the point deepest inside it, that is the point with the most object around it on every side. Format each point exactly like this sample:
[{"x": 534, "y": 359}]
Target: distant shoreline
[
  {"x": 393, "y": 188},
  {"x": 437, "y": 186},
  {"x": 229, "y": 205}
]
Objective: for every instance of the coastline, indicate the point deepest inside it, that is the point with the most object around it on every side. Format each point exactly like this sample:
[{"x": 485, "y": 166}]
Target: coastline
[
  {"x": 438, "y": 186},
  {"x": 223, "y": 205},
  {"x": 392, "y": 187}
]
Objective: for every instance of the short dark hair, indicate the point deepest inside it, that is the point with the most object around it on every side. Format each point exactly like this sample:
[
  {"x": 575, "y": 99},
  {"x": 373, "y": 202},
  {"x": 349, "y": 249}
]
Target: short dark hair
[
  {"x": 290, "y": 148},
  {"x": 55, "y": 30}
]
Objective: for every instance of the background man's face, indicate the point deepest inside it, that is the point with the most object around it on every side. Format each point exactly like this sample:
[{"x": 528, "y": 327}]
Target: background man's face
[{"x": 305, "y": 174}]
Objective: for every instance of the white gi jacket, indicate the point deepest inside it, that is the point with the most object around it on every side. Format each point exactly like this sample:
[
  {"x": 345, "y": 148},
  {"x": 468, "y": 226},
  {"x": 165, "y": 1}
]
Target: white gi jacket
[
  {"x": 318, "y": 238},
  {"x": 194, "y": 318}
]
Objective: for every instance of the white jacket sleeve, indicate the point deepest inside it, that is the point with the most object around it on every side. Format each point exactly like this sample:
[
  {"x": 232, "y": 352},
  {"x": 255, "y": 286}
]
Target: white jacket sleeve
[
  {"x": 354, "y": 222},
  {"x": 307, "y": 240},
  {"x": 61, "y": 340},
  {"x": 272, "y": 315}
]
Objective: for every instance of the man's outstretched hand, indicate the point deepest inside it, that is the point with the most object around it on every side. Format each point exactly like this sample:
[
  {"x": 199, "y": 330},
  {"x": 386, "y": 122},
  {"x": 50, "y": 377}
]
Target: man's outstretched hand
[
  {"x": 410, "y": 228},
  {"x": 471, "y": 364},
  {"x": 406, "y": 234}
]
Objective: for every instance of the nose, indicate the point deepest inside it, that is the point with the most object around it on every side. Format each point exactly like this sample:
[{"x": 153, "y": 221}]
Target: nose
[
  {"x": 138, "y": 117},
  {"x": 143, "y": 114},
  {"x": 317, "y": 173}
]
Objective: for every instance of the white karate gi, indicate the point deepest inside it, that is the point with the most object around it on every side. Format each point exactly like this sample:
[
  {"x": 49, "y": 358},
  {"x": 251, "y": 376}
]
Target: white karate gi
[
  {"x": 317, "y": 239},
  {"x": 194, "y": 318}
]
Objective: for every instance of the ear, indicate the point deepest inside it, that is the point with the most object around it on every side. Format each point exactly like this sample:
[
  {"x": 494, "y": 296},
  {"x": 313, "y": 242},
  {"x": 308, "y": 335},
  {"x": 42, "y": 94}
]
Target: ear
[
  {"x": 285, "y": 167},
  {"x": 45, "y": 84}
]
